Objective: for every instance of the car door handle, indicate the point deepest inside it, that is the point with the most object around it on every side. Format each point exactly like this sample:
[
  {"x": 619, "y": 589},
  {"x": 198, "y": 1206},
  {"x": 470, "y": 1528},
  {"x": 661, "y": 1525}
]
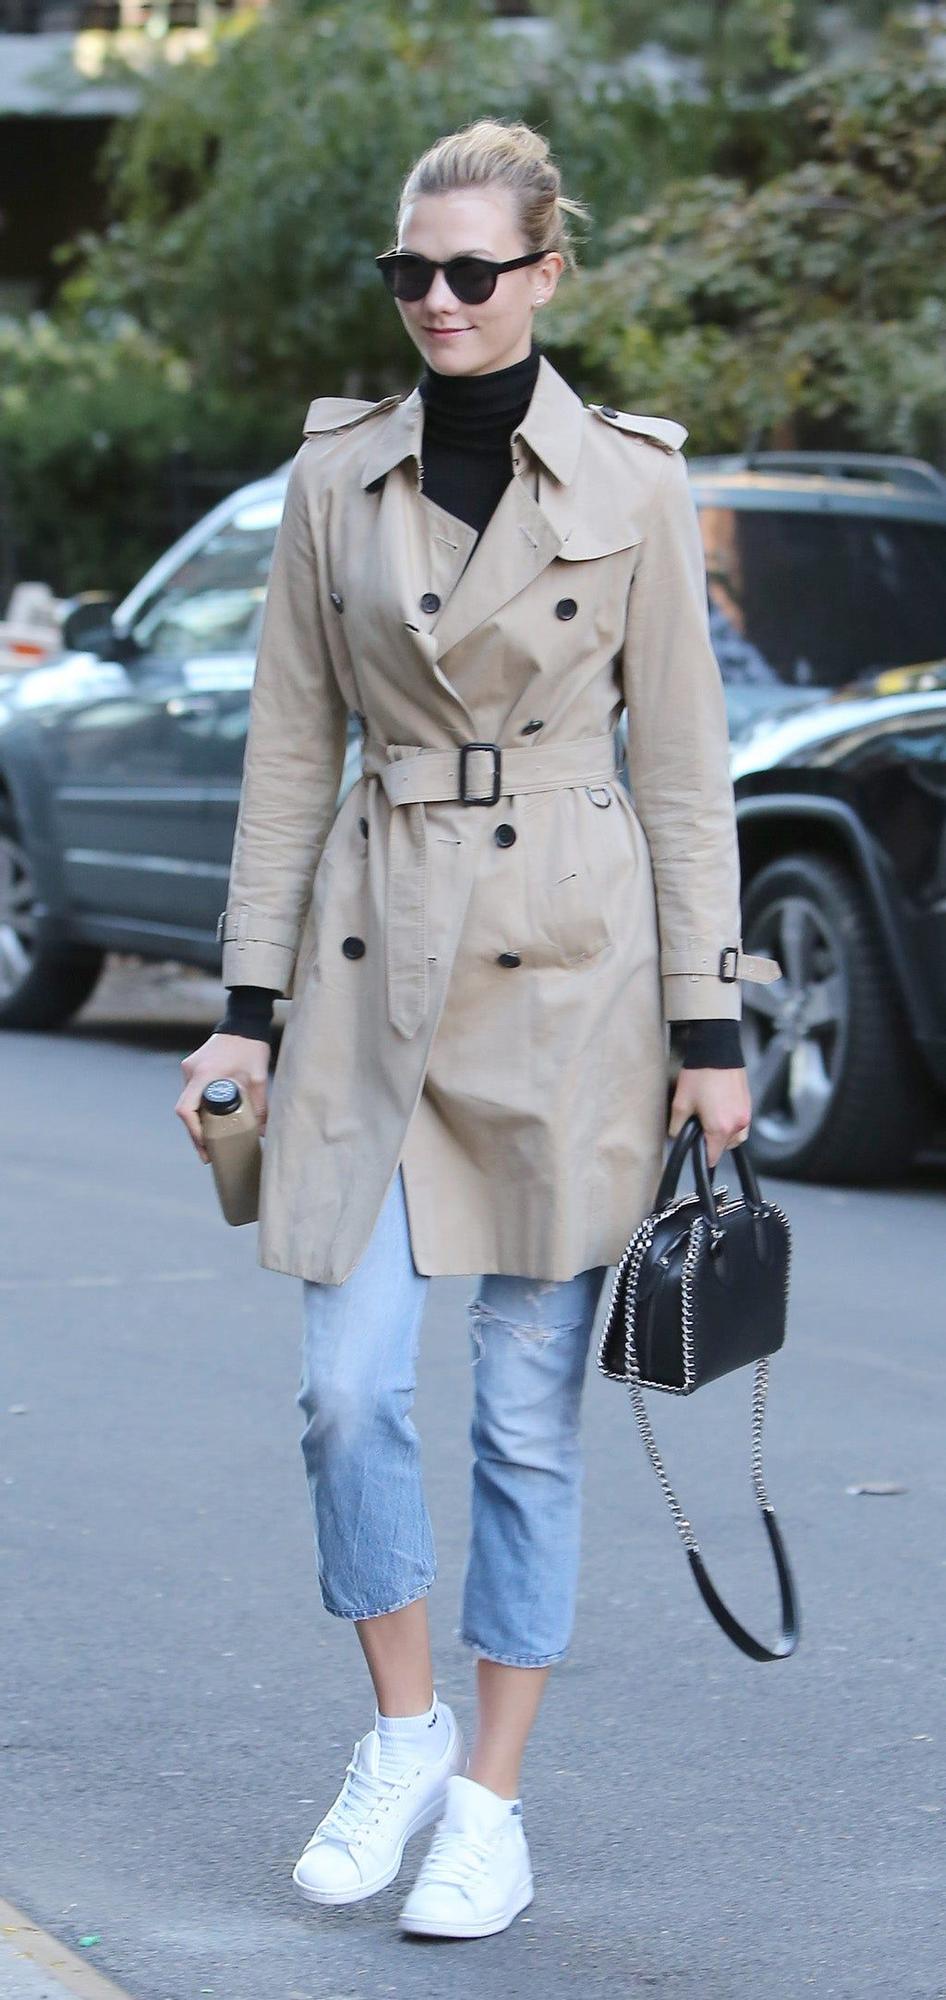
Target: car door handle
[{"x": 180, "y": 705}]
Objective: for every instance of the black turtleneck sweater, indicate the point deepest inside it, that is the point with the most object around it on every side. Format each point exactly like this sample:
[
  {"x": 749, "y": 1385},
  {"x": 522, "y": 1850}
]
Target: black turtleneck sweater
[{"x": 468, "y": 423}]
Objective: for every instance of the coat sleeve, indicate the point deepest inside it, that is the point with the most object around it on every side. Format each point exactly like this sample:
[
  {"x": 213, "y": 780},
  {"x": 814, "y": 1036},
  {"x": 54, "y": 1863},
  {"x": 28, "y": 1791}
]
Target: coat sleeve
[
  {"x": 678, "y": 757},
  {"x": 292, "y": 767}
]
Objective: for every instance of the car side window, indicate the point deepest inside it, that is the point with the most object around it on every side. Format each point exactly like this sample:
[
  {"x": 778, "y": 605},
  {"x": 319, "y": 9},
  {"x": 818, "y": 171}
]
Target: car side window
[
  {"x": 817, "y": 599},
  {"x": 214, "y": 602}
]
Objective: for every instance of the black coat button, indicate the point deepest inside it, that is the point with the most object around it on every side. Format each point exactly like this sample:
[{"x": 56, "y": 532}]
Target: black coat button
[
  {"x": 363, "y": 827},
  {"x": 529, "y": 728},
  {"x": 509, "y": 958},
  {"x": 353, "y": 947},
  {"x": 566, "y": 607},
  {"x": 504, "y": 835},
  {"x": 430, "y": 601},
  {"x": 606, "y": 410},
  {"x": 337, "y": 599}
]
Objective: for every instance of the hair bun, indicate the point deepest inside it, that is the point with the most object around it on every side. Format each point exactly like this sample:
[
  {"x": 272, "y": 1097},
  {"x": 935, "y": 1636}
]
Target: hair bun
[
  {"x": 495, "y": 152},
  {"x": 519, "y": 138}
]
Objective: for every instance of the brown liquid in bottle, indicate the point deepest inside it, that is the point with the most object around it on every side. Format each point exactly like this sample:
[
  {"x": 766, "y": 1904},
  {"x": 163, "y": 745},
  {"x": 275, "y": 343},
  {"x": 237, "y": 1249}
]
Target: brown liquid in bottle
[{"x": 231, "y": 1135}]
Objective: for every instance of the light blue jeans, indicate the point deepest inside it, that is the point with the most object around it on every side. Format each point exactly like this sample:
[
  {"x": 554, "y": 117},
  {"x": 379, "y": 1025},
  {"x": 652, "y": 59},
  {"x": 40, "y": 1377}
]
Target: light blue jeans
[{"x": 374, "y": 1545}]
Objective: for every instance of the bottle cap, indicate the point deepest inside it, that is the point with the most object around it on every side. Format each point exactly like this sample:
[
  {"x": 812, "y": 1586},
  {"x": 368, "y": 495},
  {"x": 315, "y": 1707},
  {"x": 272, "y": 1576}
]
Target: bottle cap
[{"x": 222, "y": 1095}]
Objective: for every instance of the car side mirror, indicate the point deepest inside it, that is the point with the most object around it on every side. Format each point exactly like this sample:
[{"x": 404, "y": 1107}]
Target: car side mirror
[{"x": 87, "y": 628}]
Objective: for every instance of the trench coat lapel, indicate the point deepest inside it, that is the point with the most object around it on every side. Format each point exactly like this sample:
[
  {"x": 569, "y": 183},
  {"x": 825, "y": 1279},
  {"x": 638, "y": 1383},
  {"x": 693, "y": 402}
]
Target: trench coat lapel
[
  {"x": 534, "y": 517},
  {"x": 518, "y": 542},
  {"x": 408, "y": 559},
  {"x": 526, "y": 531},
  {"x": 407, "y": 554}
]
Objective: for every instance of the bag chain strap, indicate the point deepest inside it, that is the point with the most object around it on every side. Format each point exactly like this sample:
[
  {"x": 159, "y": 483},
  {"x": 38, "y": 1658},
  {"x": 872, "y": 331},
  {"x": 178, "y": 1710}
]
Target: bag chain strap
[
  {"x": 760, "y": 1386},
  {"x": 630, "y": 1270}
]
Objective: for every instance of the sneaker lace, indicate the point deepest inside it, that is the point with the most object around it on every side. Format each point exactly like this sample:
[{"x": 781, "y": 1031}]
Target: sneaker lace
[
  {"x": 364, "y": 1796},
  {"x": 455, "y": 1857}
]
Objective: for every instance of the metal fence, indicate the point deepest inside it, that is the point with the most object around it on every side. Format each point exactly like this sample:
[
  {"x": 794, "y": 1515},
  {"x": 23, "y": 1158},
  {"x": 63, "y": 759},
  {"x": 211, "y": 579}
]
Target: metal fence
[
  {"x": 151, "y": 517},
  {"x": 71, "y": 17}
]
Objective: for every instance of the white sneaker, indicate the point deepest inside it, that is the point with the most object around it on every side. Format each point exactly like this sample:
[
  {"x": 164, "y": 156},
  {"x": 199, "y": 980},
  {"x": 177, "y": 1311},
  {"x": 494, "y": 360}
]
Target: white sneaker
[
  {"x": 476, "y": 1875},
  {"x": 358, "y": 1846}
]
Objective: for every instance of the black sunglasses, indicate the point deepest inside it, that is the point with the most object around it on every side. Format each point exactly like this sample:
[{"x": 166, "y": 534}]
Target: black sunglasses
[{"x": 472, "y": 280}]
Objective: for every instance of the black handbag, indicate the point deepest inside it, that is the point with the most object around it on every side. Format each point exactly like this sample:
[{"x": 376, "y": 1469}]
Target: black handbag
[{"x": 702, "y": 1288}]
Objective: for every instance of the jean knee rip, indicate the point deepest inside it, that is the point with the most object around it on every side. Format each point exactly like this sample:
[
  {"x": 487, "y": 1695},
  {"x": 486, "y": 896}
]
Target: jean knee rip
[{"x": 530, "y": 1332}]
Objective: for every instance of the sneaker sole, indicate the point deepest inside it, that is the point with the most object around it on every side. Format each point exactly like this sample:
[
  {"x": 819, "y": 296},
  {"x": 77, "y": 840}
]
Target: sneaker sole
[
  {"x": 487, "y": 1927},
  {"x": 430, "y": 1813}
]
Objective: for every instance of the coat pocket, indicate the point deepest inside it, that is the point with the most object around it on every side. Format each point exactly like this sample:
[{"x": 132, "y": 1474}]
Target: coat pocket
[
  {"x": 572, "y": 916},
  {"x": 589, "y": 874}
]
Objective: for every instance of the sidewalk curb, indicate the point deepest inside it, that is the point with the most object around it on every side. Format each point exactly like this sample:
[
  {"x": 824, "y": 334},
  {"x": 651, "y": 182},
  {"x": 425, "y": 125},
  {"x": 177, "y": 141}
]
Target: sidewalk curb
[{"x": 47, "y": 1955}]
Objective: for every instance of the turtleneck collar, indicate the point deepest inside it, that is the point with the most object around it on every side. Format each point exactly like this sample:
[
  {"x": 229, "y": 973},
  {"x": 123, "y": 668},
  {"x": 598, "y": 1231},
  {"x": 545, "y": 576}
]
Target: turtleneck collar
[{"x": 478, "y": 411}]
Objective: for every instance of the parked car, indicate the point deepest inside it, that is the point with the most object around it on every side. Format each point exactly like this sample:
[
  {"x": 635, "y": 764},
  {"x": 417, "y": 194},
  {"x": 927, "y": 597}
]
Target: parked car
[
  {"x": 842, "y": 833},
  {"x": 827, "y": 589},
  {"x": 120, "y": 768}
]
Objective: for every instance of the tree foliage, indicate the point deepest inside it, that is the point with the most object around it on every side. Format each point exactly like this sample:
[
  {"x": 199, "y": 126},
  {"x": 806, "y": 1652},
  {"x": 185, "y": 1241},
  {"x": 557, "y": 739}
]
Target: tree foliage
[
  {"x": 739, "y": 44},
  {"x": 765, "y": 262},
  {"x": 809, "y": 309},
  {"x": 254, "y": 190},
  {"x": 89, "y": 425}
]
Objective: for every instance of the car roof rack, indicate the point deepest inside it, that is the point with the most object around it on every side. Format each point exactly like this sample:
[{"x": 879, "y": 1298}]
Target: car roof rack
[{"x": 909, "y": 472}]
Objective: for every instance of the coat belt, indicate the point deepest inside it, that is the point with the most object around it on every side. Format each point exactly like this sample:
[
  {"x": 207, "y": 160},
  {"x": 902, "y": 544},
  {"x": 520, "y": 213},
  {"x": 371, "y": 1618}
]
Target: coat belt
[{"x": 472, "y": 774}]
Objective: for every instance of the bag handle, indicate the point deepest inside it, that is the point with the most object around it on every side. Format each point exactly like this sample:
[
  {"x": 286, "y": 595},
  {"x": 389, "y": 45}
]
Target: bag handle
[
  {"x": 692, "y": 1135},
  {"x": 692, "y": 1138}
]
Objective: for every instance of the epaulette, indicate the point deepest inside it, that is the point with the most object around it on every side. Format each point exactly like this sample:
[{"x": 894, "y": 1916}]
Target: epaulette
[
  {"x": 338, "y": 413},
  {"x": 657, "y": 430}
]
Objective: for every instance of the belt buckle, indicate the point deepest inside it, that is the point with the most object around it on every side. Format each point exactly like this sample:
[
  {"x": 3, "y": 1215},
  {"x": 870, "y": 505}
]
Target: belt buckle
[
  {"x": 728, "y": 977},
  {"x": 465, "y": 749}
]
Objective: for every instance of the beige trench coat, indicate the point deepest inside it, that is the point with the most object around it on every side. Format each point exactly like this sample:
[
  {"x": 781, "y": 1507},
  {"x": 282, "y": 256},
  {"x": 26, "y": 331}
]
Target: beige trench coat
[{"x": 480, "y": 991}]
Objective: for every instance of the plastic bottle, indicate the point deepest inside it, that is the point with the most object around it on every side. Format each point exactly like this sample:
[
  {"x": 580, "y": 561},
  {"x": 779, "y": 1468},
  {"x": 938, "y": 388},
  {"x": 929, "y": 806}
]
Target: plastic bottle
[{"x": 231, "y": 1135}]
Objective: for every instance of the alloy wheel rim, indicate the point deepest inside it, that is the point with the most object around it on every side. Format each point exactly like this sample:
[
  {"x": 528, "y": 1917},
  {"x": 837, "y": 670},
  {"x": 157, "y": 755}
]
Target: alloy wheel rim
[
  {"x": 17, "y": 916},
  {"x": 795, "y": 1030}
]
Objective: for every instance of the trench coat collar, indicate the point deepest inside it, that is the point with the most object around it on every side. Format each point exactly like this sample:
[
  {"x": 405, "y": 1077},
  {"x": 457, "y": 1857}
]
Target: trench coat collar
[
  {"x": 551, "y": 427},
  {"x": 524, "y": 533}
]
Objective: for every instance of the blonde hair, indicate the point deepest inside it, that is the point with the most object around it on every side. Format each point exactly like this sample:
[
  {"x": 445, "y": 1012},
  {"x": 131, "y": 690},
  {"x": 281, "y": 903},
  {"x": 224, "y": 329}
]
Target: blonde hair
[{"x": 492, "y": 153}]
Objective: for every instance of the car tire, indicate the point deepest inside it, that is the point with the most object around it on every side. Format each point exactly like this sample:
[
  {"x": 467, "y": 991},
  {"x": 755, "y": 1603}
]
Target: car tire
[
  {"x": 41, "y": 985},
  {"x": 838, "y": 1091}
]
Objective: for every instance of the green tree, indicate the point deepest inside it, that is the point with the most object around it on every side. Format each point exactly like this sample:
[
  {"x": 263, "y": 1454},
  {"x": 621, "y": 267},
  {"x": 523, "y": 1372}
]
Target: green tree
[
  {"x": 90, "y": 424},
  {"x": 255, "y": 188},
  {"x": 766, "y": 260},
  {"x": 811, "y": 309},
  {"x": 739, "y": 44}
]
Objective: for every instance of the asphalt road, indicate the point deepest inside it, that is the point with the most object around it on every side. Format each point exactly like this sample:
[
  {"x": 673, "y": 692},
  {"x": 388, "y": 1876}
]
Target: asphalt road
[{"x": 178, "y": 1709}]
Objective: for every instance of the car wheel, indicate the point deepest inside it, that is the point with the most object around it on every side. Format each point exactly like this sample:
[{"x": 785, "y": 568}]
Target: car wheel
[
  {"x": 837, "y": 1088},
  {"x": 41, "y": 985}
]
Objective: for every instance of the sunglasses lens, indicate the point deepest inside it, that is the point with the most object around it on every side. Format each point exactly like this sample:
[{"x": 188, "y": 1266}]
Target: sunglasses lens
[
  {"x": 408, "y": 277},
  {"x": 471, "y": 280}
]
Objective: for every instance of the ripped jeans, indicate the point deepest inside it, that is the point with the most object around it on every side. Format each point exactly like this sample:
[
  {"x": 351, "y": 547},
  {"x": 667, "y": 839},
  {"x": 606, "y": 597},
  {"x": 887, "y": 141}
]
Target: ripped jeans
[{"x": 374, "y": 1544}]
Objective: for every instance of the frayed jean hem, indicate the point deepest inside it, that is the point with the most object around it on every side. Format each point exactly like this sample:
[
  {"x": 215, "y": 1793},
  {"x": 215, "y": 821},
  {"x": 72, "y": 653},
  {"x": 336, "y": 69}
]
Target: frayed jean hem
[
  {"x": 509, "y": 1659},
  {"x": 382, "y": 1609}
]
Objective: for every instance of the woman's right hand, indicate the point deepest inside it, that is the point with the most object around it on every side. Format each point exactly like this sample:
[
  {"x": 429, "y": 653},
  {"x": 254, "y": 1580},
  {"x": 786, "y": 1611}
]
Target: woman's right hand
[{"x": 246, "y": 1061}]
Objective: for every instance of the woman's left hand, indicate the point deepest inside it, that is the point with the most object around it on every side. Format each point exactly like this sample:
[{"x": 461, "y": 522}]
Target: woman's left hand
[{"x": 720, "y": 1098}]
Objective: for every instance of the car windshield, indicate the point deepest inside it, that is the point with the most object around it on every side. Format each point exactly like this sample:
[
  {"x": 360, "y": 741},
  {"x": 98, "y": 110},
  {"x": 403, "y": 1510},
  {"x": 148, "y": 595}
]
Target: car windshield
[
  {"x": 817, "y": 600},
  {"x": 213, "y": 603}
]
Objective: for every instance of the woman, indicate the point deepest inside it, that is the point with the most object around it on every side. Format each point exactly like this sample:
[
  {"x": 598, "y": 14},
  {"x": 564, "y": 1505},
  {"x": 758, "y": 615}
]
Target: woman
[{"x": 483, "y": 950}]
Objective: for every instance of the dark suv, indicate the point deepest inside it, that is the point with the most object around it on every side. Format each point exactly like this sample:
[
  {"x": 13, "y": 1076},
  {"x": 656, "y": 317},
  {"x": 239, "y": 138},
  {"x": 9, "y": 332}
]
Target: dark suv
[
  {"x": 120, "y": 770},
  {"x": 827, "y": 587}
]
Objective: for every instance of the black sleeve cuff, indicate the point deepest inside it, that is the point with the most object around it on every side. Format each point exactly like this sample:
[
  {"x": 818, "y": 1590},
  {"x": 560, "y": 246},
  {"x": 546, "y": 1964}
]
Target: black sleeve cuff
[
  {"x": 711, "y": 1044},
  {"x": 249, "y": 1012}
]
